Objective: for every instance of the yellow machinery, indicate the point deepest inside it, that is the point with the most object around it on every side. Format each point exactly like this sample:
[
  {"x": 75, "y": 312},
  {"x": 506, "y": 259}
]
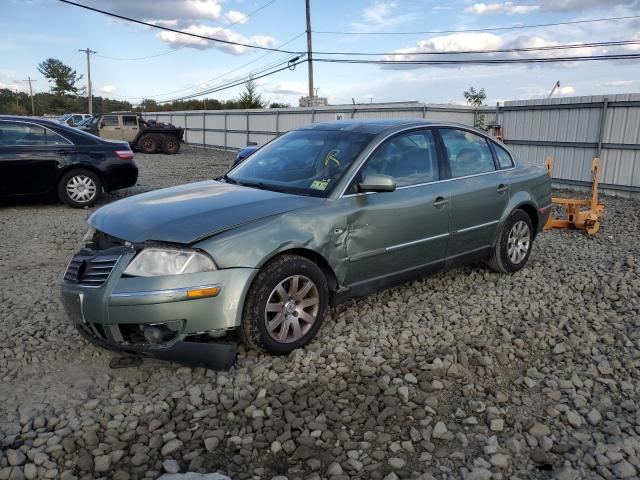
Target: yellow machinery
[{"x": 575, "y": 213}]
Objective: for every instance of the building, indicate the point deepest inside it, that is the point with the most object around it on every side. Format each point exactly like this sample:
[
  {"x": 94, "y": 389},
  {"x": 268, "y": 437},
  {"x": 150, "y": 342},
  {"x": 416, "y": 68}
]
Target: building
[{"x": 313, "y": 102}]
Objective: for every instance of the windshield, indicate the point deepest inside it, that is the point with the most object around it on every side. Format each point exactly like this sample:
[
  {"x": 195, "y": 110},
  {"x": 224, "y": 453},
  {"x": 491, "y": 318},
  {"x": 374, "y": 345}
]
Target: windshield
[
  {"x": 309, "y": 162},
  {"x": 62, "y": 118}
]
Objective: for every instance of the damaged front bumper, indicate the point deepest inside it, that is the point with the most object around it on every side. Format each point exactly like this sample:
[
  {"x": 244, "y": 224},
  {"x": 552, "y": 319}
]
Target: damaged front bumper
[{"x": 170, "y": 317}]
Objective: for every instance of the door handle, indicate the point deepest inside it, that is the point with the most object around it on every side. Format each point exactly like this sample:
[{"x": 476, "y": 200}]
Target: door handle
[
  {"x": 63, "y": 152},
  {"x": 116, "y": 128},
  {"x": 502, "y": 188},
  {"x": 440, "y": 202}
]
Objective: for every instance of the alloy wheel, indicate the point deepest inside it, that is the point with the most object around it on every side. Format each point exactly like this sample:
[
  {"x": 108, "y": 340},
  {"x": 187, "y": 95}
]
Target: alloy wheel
[
  {"x": 81, "y": 188},
  {"x": 291, "y": 309},
  {"x": 518, "y": 242}
]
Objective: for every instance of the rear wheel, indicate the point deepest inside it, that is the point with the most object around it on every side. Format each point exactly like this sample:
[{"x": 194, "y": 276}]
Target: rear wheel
[
  {"x": 285, "y": 305},
  {"x": 514, "y": 243},
  {"x": 80, "y": 188},
  {"x": 170, "y": 145},
  {"x": 148, "y": 144}
]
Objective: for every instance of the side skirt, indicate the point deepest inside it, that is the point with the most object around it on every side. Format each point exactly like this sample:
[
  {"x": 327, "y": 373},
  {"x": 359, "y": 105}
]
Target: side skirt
[{"x": 381, "y": 282}]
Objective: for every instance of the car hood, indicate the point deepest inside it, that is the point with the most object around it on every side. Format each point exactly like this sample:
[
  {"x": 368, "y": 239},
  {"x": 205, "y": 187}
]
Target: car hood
[{"x": 192, "y": 212}]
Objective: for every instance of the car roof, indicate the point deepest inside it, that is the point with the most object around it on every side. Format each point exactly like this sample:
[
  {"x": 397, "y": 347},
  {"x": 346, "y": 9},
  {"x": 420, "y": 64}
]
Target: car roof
[
  {"x": 378, "y": 126},
  {"x": 22, "y": 118}
]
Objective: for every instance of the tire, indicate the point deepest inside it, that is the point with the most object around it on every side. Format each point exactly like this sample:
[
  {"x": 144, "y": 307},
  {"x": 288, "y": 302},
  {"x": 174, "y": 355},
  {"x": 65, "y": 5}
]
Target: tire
[
  {"x": 148, "y": 144},
  {"x": 170, "y": 144},
  {"x": 80, "y": 188},
  {"x": 262, "y": 328},
  {"x": 514, "y": 243}
]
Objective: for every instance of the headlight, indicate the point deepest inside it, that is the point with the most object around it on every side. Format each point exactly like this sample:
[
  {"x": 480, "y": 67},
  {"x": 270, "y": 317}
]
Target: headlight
[{"x": 154, "y": 262}]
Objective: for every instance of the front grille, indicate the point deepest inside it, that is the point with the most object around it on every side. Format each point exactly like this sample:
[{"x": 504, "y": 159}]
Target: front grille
[{"x": 90, "y": 270}]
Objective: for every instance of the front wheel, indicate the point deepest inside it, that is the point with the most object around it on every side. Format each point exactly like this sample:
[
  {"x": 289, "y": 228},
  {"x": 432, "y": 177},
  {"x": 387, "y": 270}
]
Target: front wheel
[
  {"x": 514, "y": 243},
  {"x": 147, "y": 144},
  {"x": 80, "y": 188},
  {"x": 285, "y": 305}
]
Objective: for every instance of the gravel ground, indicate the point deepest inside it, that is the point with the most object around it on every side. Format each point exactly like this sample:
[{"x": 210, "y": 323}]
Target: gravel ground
[{"x": 467, "y": 374}]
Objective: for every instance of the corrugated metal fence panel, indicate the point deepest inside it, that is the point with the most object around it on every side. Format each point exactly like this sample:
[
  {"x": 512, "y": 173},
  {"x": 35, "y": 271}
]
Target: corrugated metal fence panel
[{"x": 577, "y": 123}]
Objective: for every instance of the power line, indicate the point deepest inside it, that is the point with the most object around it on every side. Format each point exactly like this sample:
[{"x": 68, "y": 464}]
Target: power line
[
  {"x": 290, "y": 65},
  {"x": 198, "y": 85},
  {"x": 480, "y": 61},
  {"x": 168, "y": 29},
  {"x": 180, "y": 48},
  {"x": 502, "y": 50},
  {"x": 472, "y": 30}
]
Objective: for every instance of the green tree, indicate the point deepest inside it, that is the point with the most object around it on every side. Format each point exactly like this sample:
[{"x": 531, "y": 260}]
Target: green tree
[
  {"x": 476, "y": 98},
  {"x": 64, "y": 77},
  {"x": 279, "y": 105},
  {"x": 250, "y": 98}
]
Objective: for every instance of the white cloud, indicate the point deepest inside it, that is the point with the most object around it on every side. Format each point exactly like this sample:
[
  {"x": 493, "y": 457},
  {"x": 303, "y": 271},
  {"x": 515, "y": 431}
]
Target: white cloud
[
  {"x": 177, "y": 39},
  {"x": 581, "y": 5},
  {"x": 618, "y": 83},
  {"x": 196, "y": 10},
  {"x": 287, "y": 88},
  {"x": 108, "y": 88},
  {"x": 233, "y": 16},
  {"x": 12, "y": 86},
  {"x": 568, "y": 90},
  {"x": 482, "y": 41},
  {"x": 381, "y": 16},
  {"x": 507, "y": 7}
]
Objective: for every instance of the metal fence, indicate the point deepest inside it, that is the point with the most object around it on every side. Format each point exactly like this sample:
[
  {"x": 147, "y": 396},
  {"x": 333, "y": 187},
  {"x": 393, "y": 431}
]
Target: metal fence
[{"x": 572, "y": 130}]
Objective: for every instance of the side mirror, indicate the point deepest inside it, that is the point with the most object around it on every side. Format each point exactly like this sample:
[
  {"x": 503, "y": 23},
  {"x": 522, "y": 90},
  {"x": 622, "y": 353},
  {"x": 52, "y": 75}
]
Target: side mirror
[{"x": 377, "y": 183}]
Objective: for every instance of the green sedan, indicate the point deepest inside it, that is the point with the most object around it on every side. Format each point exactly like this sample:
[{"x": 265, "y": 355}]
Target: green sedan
[{"x": 320, "y": 214}]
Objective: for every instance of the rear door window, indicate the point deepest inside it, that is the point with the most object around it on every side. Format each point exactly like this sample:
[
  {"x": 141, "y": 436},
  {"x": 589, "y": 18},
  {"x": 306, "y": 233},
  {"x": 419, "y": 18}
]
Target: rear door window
[
  {"x": 129, "y": 121},
  {"x": 468, "y": 153},
  {"x": 21, "y": 135}
]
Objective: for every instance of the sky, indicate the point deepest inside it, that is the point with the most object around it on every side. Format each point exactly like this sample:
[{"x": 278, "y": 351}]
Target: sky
[{"x": 33, "y": 30}]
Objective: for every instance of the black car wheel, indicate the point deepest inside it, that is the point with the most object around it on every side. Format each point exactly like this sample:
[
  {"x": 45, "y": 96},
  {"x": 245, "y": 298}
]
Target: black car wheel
[
  {"x": 148, "y": 144},
  {"x": 514, "y": 243},
  {"x": 170, "y": 145},
  {"x": 80, "y": 188},
  {"x": 285, "y": 305}
]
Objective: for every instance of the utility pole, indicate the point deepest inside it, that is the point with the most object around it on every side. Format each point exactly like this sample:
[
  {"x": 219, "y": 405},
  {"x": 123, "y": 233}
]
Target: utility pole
[
  {"x": 33, "y": 110},
  {"x": 89, "y": 52},
  {"x": 309, "y": 49}
]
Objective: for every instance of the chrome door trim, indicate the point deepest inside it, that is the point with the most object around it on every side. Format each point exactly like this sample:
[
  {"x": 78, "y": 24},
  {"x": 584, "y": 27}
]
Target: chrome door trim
[
  {"x": 416, "y": 242},
  {"x": 399, "y": 246},
  {"x": 475, "y": 227}
]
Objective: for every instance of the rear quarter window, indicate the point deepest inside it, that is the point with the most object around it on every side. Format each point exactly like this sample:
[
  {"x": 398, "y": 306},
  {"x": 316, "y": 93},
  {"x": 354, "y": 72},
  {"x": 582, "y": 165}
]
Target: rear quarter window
[{"x": 504, "y": 158}]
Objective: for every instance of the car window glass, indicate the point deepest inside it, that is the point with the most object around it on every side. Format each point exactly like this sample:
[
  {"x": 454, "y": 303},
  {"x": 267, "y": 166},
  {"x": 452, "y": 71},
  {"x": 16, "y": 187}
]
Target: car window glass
[
  {"x": 20, "y": 134},
  {"x": 110, "y": 120},
  {"x": 504, "y": 159},
  {"x": 305, "y": 161},
  {"x": 77, "y": 118},
  {"x": 130, "y": 121},
  {"x": 410, "y": 159},
  {"x": 468, "y": 153},
  {"x": 53, "y": 138}
]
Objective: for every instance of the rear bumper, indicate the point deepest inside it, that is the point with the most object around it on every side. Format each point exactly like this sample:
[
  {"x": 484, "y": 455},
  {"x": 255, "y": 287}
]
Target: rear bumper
[{"x": 121, "y": 175}]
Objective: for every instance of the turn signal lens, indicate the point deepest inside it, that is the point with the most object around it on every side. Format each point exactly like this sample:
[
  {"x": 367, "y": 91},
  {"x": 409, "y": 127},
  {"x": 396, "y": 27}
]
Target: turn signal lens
[{"x": 203, "y": 292}]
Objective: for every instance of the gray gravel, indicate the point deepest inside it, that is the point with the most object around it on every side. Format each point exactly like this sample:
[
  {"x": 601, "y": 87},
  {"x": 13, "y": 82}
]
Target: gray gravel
[{"x": 467, "y": 374}]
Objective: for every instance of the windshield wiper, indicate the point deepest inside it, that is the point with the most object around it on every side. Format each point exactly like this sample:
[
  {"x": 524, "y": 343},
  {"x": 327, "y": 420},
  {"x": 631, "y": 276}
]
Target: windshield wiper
[{"x": 228, "y": 179}]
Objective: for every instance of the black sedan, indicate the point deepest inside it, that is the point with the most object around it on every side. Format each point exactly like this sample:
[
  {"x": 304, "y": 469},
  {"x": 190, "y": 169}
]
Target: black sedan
[{"x": 41, "y": 157}]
